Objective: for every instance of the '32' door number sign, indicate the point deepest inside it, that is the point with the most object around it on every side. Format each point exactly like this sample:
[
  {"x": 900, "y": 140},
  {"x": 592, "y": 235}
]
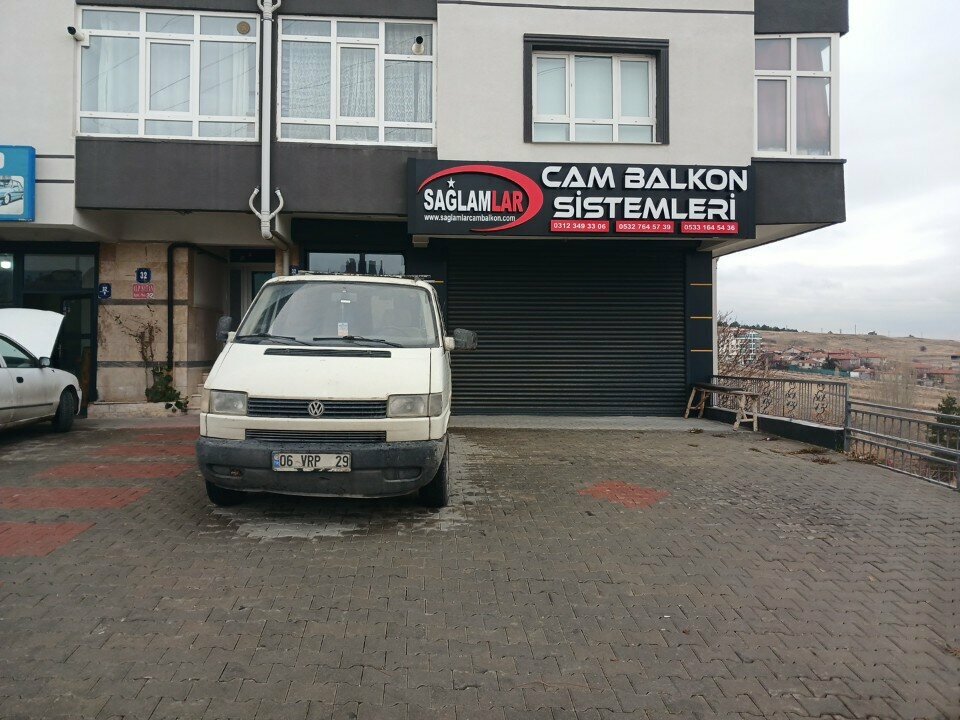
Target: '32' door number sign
[{"x": 144, "y": 275}]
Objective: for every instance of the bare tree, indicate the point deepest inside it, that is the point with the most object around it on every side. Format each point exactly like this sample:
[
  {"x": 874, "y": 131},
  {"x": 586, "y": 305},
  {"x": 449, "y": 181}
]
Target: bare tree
[
  {"x": 897, "y": 384},
  {"x": 734, "y": 350}
]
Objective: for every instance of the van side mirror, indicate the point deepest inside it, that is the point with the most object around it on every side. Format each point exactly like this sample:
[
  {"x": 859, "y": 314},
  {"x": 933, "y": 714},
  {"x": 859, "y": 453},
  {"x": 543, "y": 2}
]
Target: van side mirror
[
  {"x": 44, "y": 362},
  {"x": 464, "y": 340},
  {"x": 223, "y": 328}
]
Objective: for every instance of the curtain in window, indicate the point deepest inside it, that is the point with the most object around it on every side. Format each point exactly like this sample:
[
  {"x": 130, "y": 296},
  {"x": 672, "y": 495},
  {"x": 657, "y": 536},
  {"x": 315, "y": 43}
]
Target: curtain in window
[
  {"x": 408, "y": 91},
  {"x": 813, "y": 116},
  {"x": 772, "y": 115},
  {"x": 169, "y": 77},
  {"x": 358, "y": 82},
  {"x": 593, "y": 87},
  {"x": 227, "y": 78},
  {"x": 110, "y": 75},
  {"x": 305, "y": 80}
]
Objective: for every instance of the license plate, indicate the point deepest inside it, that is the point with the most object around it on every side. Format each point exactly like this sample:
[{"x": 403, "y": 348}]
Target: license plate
[{"x": 311, "y": 462}]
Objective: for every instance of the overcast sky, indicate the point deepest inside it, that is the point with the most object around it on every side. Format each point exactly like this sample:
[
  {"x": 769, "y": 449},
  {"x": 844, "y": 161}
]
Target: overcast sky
[{"x": 894, "y": 266}]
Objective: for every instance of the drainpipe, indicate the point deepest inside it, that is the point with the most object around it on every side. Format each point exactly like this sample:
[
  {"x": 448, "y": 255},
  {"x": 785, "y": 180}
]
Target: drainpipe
[{"x": 266, "y": 138}]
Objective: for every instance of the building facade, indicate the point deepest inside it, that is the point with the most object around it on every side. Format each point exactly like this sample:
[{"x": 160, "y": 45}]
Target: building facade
[{"x": 567, "y": 173}]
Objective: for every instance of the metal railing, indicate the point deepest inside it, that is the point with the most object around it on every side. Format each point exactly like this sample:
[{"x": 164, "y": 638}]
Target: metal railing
[
  {"x": 823, "y": 402},
  {"x": 914, "y": 442}
]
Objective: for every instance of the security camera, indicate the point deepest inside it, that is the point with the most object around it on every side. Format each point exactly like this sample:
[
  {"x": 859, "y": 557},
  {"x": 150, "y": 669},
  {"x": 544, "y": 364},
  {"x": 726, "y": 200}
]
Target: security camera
[
  {"x": 418, "y": 48},
  {"x": 79, "y": 35}
]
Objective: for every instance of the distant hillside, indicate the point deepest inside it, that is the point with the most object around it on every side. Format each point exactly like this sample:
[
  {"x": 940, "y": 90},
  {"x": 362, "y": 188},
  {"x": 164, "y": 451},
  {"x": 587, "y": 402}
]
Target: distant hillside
[{"x": 893, "y": 348}]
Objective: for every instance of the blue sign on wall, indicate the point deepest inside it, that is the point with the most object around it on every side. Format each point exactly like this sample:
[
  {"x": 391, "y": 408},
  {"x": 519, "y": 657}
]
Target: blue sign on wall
[
  {"x": 18, "y": 177},
  {"x": 144, "y": 275},
  {"x": 104, "y": 291}
]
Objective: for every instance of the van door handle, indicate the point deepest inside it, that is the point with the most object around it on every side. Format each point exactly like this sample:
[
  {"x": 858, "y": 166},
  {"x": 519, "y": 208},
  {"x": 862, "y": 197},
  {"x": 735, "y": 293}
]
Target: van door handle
[{"x": 19, "y": 379}]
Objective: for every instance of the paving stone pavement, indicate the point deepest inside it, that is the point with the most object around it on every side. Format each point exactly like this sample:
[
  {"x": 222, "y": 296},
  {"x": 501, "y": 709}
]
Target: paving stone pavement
[{"x": 592, "y": 574}]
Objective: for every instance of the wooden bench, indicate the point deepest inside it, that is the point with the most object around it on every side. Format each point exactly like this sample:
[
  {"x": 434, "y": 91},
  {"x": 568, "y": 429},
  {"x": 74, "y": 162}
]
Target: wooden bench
[{"x": 747, "y": 402}]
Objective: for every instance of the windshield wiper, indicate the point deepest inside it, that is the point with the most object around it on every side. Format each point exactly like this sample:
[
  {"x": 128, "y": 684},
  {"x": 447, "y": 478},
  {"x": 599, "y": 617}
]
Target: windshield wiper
[
  {"x": 268, "y": 336},
  {"x": 359, "y": 338}
]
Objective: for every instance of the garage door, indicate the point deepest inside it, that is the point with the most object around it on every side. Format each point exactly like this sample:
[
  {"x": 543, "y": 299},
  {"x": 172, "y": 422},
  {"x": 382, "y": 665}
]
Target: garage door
[{"x": 578, "y": 328}]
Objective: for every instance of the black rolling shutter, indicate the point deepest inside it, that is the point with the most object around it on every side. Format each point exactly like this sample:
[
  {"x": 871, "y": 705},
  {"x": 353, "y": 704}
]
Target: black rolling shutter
[{"x": 575, "y": 328}]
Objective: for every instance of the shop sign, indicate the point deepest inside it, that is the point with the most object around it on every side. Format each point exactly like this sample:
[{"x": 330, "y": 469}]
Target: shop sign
[
  {"x": 536, "y": 200},
  {"x": 18, "y": 178},
  {"x": 144, "y": 291}
]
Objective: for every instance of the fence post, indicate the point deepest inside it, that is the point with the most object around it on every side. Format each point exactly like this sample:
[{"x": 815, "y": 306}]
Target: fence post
[{"x": 846, "y": 417}]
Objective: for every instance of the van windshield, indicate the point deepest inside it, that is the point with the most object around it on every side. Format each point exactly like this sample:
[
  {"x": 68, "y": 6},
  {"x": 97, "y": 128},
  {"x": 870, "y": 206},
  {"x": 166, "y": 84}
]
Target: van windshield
[{"x": 321, "y": 313}]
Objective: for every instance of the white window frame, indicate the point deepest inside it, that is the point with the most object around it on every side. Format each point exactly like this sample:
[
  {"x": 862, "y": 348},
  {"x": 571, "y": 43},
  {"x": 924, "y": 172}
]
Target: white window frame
[
  {"x": 570, "y": 119},
  {"x": 790, "y": 77},
  {"x": 337, "y": 43},
  {"x": 146, "y": 39}
]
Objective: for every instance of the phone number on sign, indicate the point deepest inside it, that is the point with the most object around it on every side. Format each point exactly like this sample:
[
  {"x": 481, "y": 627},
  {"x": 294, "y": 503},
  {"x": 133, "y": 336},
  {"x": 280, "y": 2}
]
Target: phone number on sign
[
  {"x": 633, "y": 226},
  {"x": 710, "y": 228},
  {"x": 577, "y": 226}
]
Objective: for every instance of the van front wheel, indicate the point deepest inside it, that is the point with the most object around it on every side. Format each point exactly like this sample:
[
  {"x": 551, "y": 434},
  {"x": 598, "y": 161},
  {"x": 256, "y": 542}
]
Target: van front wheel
[
  {"x": 224, "y": 497},
  {"x": 436, "y": 493}
]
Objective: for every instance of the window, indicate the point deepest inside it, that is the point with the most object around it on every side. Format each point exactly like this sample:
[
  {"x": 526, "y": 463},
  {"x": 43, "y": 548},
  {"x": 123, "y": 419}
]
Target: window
[
  {"x": 169, "y": 75},
  {"x": 796, "y": 95},
  {"x": 14, "y": 356},
  {"x": 43, "y": 273},
  {"x": 324, "y": 312},
  {"x": 595, "y": 90},
  {"x": 6, "y": 278},
  {"x": 353, "y": 81},
  {"x": 594, "y": 98},
  {"x": 359, "y": 263}
]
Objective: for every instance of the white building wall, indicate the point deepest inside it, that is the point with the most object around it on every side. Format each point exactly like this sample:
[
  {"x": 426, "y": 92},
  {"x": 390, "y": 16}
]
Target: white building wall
[
  {"x": 39, "y": 97},
  {"x": 711, "y": 63}
]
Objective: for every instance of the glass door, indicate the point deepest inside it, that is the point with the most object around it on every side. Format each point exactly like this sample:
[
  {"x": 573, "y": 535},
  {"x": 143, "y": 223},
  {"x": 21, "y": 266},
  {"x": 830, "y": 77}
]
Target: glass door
[{"x": 74, "y": 351}]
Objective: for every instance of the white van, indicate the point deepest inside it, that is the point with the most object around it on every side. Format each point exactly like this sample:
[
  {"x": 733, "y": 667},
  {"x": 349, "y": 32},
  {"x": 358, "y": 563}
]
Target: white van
[{"x": 333, "y": 385}]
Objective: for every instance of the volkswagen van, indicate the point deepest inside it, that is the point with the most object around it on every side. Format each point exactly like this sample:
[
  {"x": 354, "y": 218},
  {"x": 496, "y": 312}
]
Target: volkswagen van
[{"x": 332, "y": 385}]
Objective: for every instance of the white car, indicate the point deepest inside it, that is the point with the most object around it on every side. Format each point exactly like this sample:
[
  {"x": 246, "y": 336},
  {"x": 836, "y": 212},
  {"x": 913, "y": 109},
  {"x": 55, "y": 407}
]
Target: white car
[{"x": 30, "y": 389}]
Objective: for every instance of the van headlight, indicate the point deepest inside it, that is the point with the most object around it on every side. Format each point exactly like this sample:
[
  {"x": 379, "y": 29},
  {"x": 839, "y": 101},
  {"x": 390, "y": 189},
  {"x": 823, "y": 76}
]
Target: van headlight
[
  {"x": 223, "y": 402},
  {"x": 414, "y": 405}
]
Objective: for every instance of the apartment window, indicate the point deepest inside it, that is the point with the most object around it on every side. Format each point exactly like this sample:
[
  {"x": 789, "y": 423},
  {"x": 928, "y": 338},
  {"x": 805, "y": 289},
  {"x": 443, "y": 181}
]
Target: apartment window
[
  {"x": 356, "y": 81},
  {"x": 169, "y": 75},
  {"x": 595, "y": 90},
  {"x": 796, "y": 95}
]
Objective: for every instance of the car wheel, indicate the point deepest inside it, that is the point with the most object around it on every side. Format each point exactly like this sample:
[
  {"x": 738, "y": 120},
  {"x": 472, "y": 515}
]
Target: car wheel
[
  {"x": 224, "y": 497},
  {"x": 66, "y": 411},
  {"x": 436, "y": 493},
  {"x": 6, "y": 199}
]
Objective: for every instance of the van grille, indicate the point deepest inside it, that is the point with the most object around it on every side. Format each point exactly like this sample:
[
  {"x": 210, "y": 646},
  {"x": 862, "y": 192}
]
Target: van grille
[
  {"x": 286, "y": 408},
  {"x": 316, "y": 436}
]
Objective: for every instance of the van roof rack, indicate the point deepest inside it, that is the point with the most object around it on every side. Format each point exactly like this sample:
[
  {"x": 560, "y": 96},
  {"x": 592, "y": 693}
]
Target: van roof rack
[{"x": 427, "y": 278}]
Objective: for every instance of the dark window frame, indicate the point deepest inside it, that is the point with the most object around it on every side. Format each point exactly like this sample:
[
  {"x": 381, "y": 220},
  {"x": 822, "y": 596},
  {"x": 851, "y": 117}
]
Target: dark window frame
[{"x": 659, "y": 49}]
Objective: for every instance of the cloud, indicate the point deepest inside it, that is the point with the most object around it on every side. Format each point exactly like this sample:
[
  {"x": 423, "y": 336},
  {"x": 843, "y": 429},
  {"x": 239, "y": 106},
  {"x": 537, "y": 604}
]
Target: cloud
[{"x": 894, "y": 266}]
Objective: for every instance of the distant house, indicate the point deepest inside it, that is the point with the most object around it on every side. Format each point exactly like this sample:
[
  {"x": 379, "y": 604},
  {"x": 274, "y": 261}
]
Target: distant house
[
  {"x": 942, "y": 376},
  {"x": 843, "y": 360}
]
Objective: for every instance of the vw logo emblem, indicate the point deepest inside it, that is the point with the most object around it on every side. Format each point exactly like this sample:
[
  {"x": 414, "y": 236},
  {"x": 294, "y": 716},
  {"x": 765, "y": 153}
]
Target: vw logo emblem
[{"x": 315, "y": 408}]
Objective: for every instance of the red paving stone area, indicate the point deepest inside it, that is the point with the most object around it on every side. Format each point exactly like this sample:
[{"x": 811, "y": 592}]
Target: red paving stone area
[
  {"x": 145, "y": 450},
  {"x": 630, "y": 496},
  {"x": 114, "y": 471},
  {"x": 18, "y": 539},
  {"x": 14, "y": 498},
  {"x": 169, "y": 436}
]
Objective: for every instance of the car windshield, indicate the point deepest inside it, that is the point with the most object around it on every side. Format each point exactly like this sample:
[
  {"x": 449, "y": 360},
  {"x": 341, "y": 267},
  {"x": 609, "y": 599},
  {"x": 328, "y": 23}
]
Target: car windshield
[{"x": 322, "y": 312}]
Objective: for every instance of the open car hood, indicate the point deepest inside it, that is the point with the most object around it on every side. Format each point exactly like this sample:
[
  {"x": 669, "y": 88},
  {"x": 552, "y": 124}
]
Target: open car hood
[{"x": 35, "y": 330}]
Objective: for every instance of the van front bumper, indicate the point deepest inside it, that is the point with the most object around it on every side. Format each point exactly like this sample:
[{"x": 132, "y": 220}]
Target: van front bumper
[{"x": 377, "y": 469}]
